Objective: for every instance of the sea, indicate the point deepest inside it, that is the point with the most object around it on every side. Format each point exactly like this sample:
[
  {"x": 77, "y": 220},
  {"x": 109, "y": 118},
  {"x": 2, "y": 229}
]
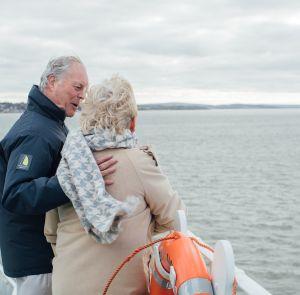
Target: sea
[{"x": 238, "y": 172}]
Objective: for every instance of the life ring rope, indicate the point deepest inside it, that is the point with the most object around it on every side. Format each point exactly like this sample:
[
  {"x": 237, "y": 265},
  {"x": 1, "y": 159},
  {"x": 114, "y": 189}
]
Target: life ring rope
[
  {"x": 135, "y": 252},
  {"x": 173, "y": 236}
]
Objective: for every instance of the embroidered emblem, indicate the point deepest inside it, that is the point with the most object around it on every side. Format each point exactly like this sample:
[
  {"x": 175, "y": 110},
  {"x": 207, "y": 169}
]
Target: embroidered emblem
[{"x": 24, "y": 162}]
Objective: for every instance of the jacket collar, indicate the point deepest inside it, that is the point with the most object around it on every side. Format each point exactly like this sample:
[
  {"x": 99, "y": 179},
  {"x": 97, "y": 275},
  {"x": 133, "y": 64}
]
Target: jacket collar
[{"x": 40, "y": 103}]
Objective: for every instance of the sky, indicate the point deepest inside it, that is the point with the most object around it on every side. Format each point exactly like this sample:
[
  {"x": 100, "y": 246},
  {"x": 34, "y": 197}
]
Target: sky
[{"x": 193, "y": 51}]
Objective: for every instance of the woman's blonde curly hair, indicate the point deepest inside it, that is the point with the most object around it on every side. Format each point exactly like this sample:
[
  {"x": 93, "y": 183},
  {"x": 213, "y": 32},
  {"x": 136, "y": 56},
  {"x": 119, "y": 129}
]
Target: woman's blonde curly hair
[{"x": 109, "y": 105}]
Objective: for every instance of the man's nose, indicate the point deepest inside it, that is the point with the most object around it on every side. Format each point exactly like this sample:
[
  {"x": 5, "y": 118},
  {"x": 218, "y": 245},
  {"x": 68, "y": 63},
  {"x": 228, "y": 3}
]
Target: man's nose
[{"x": 81, "y": 95}]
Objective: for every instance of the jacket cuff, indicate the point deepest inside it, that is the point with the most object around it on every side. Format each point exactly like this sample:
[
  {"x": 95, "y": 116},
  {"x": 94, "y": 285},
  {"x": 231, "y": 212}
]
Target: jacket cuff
[{"x": 63, "y": 199}]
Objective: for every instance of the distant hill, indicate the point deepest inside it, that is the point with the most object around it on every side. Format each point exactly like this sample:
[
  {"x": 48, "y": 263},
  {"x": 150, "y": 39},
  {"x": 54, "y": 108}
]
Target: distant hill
[
  {"x": 190, "y": 106},
  {"x": 7, "y": 107},
  {"x": 173, "y": 106}
]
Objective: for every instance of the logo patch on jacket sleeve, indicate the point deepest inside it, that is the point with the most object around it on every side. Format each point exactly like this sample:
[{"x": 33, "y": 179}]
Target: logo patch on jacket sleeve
[{"x": 24, "y": 162}]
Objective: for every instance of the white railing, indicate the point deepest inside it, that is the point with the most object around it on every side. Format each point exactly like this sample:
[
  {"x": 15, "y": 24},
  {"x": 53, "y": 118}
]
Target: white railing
[{"x": 245, "y": 283}]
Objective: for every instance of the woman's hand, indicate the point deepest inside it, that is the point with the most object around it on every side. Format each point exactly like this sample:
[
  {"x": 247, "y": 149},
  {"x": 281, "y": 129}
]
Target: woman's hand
[{"x": 107, "y": 167}]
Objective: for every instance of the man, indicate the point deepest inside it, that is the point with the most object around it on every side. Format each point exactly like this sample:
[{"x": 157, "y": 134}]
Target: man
[{"x": 29, "y": 156}]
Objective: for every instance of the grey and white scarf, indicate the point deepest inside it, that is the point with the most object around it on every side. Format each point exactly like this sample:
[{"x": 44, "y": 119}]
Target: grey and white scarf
[{"x": 80, "y": 178}]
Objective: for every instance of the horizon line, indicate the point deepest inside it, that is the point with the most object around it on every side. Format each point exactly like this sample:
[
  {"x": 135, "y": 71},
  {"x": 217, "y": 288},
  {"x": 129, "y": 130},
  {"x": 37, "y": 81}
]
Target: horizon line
[{"x": 193, "y": 103}]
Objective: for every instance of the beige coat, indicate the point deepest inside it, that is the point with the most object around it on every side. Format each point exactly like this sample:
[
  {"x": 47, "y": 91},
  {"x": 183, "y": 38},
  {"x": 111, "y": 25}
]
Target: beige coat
[{"x": 82, "y": 266}]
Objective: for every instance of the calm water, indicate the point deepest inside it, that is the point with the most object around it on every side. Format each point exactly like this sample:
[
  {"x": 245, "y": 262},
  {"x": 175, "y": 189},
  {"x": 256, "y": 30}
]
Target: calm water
[{"x": 239, "y": 174}]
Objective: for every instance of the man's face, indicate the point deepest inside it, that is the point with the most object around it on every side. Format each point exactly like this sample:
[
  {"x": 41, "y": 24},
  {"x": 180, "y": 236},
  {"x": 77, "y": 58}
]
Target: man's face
[{"x": 67, "y": 91}]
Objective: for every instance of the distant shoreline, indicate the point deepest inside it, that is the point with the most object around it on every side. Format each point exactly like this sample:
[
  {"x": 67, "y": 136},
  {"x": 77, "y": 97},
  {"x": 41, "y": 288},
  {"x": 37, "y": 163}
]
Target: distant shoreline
[
  {"x": 7, "y": 108},
  {"x": 186, "y": 106}
]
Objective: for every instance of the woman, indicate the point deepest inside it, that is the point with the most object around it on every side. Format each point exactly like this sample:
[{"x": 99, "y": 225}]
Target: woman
[{"x": 140, "y": 201}]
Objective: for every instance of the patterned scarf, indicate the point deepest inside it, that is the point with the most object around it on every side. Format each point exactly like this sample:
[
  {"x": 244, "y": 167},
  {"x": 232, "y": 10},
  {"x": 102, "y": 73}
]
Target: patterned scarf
[{"x": 80, "y": 178}]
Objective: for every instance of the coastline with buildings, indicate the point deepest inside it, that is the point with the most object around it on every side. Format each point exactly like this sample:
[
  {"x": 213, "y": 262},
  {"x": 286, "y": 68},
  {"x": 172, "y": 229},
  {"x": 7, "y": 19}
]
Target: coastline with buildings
[{"x": 8, "y": 107}]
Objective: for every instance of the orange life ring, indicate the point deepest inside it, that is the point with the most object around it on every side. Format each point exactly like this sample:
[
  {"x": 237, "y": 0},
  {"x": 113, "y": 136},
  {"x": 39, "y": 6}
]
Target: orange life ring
[{"x": 187, "y": 270}]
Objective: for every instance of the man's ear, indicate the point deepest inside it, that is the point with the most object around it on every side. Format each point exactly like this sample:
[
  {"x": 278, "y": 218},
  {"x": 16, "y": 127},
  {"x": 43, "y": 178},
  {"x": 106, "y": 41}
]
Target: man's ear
[{"x": 51, "y": 81}]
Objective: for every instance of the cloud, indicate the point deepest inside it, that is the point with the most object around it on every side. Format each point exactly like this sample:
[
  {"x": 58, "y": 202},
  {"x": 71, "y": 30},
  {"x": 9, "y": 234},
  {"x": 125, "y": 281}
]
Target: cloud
[{"x": 194, "y": 48}]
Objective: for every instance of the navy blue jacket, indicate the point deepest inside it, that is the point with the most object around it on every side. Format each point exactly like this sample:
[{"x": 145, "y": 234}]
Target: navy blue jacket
[{"x": 29, "y": 156}]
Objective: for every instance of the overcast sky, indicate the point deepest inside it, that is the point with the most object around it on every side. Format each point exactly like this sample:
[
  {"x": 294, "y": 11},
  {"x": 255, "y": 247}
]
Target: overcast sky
[{"x": 214, "y": 51}]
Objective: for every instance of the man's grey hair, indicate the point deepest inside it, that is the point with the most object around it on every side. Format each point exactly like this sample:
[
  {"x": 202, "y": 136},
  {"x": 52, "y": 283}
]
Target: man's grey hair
[{"x": 56, "y": 67}]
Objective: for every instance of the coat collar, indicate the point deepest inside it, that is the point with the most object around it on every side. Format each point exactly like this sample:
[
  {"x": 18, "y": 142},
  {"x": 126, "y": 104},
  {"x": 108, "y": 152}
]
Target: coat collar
[{"x": 40, "y": 103}]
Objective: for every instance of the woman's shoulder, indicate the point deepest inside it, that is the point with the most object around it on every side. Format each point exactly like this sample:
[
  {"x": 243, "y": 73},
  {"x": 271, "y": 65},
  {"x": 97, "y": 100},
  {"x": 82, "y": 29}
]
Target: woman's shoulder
[{"x": 141, "y": 156}]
